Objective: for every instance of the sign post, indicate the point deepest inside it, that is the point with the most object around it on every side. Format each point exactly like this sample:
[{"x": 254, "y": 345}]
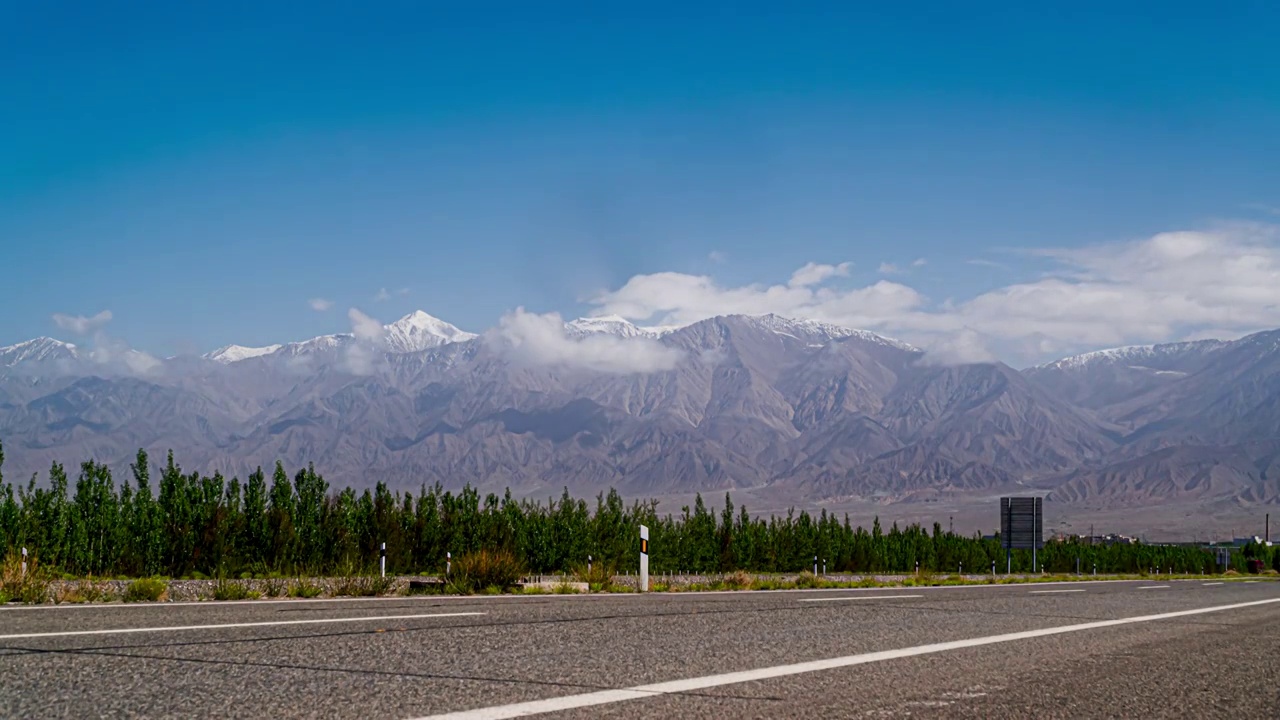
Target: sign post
[
  {"x": 1021, "y": 527},
  {"x": 644, "y": 558}
]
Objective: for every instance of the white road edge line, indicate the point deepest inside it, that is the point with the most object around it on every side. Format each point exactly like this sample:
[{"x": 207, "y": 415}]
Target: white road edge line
[
  {"x": 224, "y": 626},
  {"x": 1153, "y": 587},
  {"x": 604, "y": 697},
  {"x": 861, "y": 597},
  {"x": 1050, "y": 592},
  {"x": 1212, "y": 584}
]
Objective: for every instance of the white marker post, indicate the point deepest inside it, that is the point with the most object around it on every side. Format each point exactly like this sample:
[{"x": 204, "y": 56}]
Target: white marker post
[
  {"x": 382, "y": 560},
  {"x": 24, "y": 562},
  {"x": 644, "y": 558},
  {"x": 448, "y": 563}
]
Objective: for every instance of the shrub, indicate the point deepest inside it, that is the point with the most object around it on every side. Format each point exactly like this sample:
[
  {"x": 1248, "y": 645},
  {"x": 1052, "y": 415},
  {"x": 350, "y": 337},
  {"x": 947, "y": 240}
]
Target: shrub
[
  {"x": 234, "y": 590},
  {"x": 146, "y": 590},
  {"x": 31, "y": 587},
  {"x": 361, "y": 585},
  {"x": 274, "y": 587},
  {"x": 484, "y": 568},
  {"x": 738, "y": 580},
  {"x": 599, "y": 577},
  {"x": 807, "y": 579},
  {"x": 84, "y": 591},
  {"x": 304, "y": 589}
]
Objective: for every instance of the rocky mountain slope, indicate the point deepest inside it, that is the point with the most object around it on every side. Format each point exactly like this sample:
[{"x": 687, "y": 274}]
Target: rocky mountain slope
[{"x": 811, "y": 411}]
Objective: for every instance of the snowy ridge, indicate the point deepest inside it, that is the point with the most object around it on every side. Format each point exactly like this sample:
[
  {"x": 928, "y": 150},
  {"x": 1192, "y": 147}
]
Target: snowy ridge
[
  {"x": 40, "y": 349},
  {"x": 235, "y": 353},
  {"x": 414, "y": 332},
  {"x": 606, "y": 325},
  {"x": 789, "y": 326},
  {"x": 1132, "y": 354},
  {"x": 621, "y": 327}
]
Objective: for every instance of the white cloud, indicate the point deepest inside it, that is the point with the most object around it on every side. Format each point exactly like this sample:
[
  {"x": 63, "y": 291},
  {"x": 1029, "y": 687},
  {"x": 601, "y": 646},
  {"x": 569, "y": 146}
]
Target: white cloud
[
  {"x": 815, "y": 274},
  {"x": 402, "y": 292},
  {"x": 961, "y": 348},
  {"x": 382, "y": 296},
  {"x": 679, "y": 299},
  {"x": 366, "y": 329},
  {"x": 364, "y": 355},
  {"x": 1158, "y": 289},
  {"x": 888, "y": 268},
  {"x": 718, "y": 256},
  {"x": 987, "y": 263},
  {"x": 534, "y": 339},
  {"x": 1262, "y": 207},
  {"x": 320, "y": 304},
  {"x": 81, "y": 325},
  {"x": 112, "y": 353}
]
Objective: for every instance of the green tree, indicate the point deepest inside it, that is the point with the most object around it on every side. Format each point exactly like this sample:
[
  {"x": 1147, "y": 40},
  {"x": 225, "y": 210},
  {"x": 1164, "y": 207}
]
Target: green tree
[{"x": 280, "y": 525}]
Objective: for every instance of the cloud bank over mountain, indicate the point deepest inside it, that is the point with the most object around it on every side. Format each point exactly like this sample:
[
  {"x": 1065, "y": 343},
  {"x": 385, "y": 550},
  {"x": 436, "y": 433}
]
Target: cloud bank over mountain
[{"x": 1172, "y": 286}]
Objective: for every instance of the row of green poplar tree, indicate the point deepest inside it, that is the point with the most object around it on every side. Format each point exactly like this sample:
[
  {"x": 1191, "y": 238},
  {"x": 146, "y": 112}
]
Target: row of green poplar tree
[{"x": 190, "y": 522}]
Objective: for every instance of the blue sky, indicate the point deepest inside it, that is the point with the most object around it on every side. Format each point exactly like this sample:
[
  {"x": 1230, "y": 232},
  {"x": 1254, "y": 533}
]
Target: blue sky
[{"x": 202, "y": 172}]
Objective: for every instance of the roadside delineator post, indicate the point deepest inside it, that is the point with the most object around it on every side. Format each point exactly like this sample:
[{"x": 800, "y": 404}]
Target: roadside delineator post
[
  {"x": 644, "y": 558},
  {"x": 588, "y": 564},
  {"x": 382, "y": 560},
  {"x": 24, "y": 562},
  {"x": 448, "y": 563},
  {"x": 815, "y": 564}
]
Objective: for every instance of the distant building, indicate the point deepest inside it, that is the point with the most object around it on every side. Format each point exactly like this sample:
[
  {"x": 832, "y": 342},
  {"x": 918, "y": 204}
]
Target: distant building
[{"x": 1112, "y": 539}]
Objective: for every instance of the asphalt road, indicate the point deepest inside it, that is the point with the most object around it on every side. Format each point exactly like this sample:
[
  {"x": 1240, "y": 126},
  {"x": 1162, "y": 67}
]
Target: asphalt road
[{"x": 1019, "y": 651}]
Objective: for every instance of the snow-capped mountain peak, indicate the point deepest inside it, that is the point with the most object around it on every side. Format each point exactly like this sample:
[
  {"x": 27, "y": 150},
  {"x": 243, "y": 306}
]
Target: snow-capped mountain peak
[
  {"x": 420, "y": 331},
  {"x": 40, "y": 349},
  {"x": 605, "y": 325},
  {"x": 235, "y": 353}
]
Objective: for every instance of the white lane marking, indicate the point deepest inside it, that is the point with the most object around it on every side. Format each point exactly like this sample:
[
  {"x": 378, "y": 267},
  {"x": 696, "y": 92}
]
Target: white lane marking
[
  {"x": 224, "y": 626},
  {"x": 1050, "y": 592},
  {"x": 604, "y": 697},
  {"x": 1153, "y": 587},
  {"x": 1212, "y": 584},
  {"x": 861, "y": 597}
]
